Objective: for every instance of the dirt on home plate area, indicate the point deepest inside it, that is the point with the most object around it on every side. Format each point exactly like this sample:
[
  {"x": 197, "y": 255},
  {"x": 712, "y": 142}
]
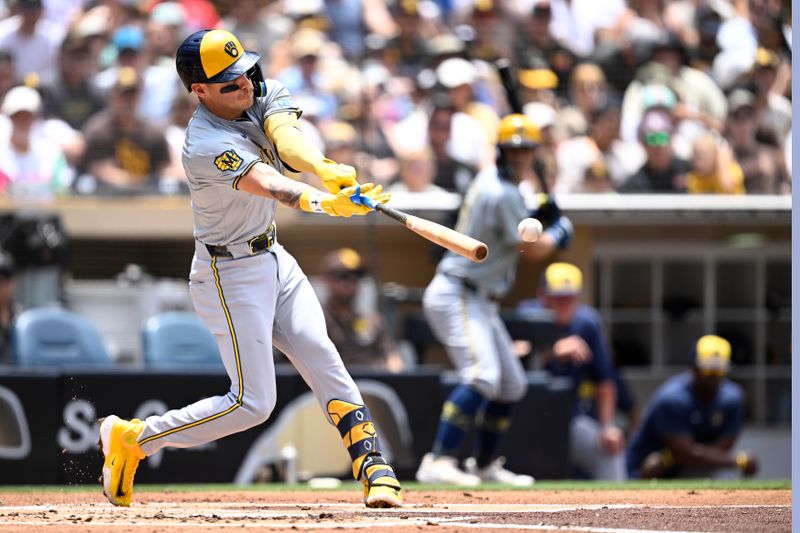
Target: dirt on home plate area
[{"x": 600, "y": 511}]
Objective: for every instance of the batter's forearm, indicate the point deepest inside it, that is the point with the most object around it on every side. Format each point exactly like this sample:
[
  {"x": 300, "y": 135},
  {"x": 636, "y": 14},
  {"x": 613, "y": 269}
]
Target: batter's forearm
[
  {"x": 263, "y": 180},
  {"x": 294, "y": 148}
]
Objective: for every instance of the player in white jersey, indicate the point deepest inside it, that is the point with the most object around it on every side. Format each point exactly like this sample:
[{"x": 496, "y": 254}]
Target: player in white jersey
[
  {"x": 461, "y": 305},
  {"x": 247, "y": 289}
]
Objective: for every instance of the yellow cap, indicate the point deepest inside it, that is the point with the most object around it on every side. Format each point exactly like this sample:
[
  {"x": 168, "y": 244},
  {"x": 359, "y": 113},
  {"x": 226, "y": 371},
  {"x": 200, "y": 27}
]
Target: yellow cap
[
  {"x": 563, "y": 279},
  {"x": 517, "y": 130},
  {"x": 343, "y": 260},
  {"x": 127, "y": 78},
  {"x": 767, "y": 58},
  {"x": 540, "y": 78},
  {"x": 712, "y": 353},
  {"x": 484, "y": 5},
  {"x": 219, "y": 50}
]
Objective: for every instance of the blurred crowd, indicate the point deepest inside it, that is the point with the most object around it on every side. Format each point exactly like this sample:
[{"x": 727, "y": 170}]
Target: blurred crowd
[{"x": 630, "y": 96}]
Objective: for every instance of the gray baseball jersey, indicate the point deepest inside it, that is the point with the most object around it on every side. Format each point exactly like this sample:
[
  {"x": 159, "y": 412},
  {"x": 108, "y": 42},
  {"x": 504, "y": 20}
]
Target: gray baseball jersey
[
  {"x": 250, "y": 300},
  {"x": 491, "y": 211},
  {"x": 460, "y": 302},
  {"x": 216, "y": 153}
]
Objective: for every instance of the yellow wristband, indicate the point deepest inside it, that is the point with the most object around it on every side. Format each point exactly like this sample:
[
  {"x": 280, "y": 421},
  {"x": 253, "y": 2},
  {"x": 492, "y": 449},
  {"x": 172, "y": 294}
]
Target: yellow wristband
[
  {"x": 311, "y": 201},
  {"x": 742, "y": 460}
]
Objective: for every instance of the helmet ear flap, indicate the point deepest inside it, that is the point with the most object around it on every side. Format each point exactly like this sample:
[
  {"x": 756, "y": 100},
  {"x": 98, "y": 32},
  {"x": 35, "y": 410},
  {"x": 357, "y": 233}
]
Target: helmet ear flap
[{"x": 257, "y": 77}]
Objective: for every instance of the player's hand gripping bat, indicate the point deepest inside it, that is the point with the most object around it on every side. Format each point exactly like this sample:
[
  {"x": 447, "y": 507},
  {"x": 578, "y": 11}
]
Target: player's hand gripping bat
[{"x": 454, "y": 241}]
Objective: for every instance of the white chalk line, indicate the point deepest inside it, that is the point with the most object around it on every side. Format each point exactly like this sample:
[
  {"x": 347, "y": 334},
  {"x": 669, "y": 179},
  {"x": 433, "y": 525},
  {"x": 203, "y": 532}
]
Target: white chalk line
[{"x": 544, "y": 527}]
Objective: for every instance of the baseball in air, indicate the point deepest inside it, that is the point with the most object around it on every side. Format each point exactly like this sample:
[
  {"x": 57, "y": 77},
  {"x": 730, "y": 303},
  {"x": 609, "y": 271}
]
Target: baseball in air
[{"x": 530, "y": 229}]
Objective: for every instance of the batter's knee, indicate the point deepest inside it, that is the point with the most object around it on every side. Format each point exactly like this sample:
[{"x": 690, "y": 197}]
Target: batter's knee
[
  {"x": 488, "y": 384},
  {"x": 514, "y": 391},
  {"x": 257, "y": 410}
]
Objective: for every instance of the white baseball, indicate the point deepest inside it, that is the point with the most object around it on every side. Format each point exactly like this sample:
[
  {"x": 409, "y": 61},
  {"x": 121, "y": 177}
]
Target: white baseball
[{"x": 530, "y": 229}]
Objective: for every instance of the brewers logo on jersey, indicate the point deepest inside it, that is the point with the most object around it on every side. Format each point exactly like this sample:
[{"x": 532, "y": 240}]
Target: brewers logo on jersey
[{"x": 228, "y": 160}]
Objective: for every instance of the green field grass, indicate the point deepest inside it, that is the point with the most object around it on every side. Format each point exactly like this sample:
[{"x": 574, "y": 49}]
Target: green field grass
[{"x": 681, "y": 484}]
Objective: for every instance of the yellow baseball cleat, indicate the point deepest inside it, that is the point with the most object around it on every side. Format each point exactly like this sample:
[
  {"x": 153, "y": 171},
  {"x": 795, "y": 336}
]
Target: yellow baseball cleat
[
  {"x": 382, "y": 496},
  {"x": 118, "y": 440},
  {"x": 381, "y": 488}
]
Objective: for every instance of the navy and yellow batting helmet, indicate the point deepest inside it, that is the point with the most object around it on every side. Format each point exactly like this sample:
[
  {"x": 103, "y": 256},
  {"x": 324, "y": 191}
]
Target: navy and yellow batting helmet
[
  {"x": 216, "y": 56},
  {"x": 517, "y": 131}
]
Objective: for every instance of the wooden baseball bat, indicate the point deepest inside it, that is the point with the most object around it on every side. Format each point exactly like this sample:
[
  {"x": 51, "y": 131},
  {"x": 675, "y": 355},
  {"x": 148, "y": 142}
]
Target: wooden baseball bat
[
  {"x": 503, "y": 67},
  {"x": 454, "y": 241}
]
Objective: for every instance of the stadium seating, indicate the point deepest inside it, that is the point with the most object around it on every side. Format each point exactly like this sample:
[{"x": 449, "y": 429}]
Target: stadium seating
[
  {"x": 53, "y": 336},
  {"x": 177, "y": 339}
]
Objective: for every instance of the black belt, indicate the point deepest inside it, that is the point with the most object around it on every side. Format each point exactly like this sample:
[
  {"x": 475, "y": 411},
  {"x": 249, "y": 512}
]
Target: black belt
[
  {"x": 473, "y": 288},
  {"x": 256, "y": 245}
]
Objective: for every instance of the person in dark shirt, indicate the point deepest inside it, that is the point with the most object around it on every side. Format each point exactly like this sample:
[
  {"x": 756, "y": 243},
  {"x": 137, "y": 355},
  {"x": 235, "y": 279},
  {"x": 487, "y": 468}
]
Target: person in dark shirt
[
  {"x": 451, "y": 174},
  {"x": 663, "y": 171},
  {"x": 123, "y": 153},
  {"x": 581, "y": 353},
  {"x": 691, "y": 424},
  {"x": 70, "y": 96},
  {"x": 763, "y": 165},
  {"x": 362, "y": 340}
]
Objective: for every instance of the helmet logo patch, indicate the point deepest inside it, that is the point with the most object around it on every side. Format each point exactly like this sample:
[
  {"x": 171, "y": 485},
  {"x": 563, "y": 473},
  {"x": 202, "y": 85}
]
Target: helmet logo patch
[
  {"x": 228, "y": 160},
  {"x": 230, "y": 49}
]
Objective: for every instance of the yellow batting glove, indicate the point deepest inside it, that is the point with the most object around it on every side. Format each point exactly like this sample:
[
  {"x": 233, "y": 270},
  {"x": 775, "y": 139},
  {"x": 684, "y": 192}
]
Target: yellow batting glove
[
  {"x": 341, "y": 204},
  {"x": 336, "y": 176},
  {"x": 370, "y": 195}
]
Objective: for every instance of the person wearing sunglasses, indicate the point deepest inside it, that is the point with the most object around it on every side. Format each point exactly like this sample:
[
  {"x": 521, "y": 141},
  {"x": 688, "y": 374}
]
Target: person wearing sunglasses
[
  {"x": 693, "y": 420},
  {"x": 663, "y": 171}
]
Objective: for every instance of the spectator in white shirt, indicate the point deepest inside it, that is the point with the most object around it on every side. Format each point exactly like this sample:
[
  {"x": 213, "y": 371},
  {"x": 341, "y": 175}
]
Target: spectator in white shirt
[
  {"x": 575, "y": 23},
  {"x": 32, "y": 167},
  {"x": 32, "y": 41}
]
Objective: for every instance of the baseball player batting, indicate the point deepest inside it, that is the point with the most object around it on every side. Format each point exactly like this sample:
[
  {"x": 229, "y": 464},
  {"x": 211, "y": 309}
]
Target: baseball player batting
[
  {"x": 461, "y": 305},
  {"x": 245, "y": 286}
]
